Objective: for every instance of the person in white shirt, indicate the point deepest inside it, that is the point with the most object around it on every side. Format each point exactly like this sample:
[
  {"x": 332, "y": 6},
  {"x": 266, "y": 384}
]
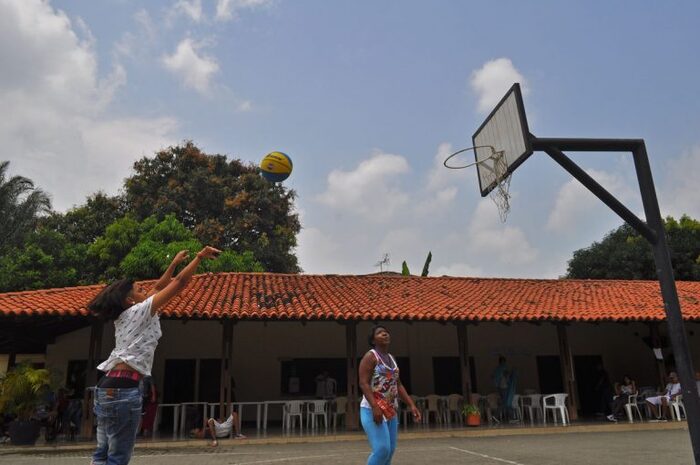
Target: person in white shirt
[
  {"x": 118, "y": 395},
  {"x": 673, "y": 389}
]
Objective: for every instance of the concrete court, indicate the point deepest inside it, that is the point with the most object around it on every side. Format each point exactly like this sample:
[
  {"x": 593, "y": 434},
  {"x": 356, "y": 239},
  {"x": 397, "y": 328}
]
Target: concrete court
[{"x": 640, "y": 447}]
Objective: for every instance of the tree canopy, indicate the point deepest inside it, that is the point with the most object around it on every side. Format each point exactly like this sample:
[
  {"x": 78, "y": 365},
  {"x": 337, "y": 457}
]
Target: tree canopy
[
  {"x": 21, "y": 205},
  {"x": 224, "y": 202},
  {"x": 624, "y": 254},
  {"x": 179, "y": 199}
]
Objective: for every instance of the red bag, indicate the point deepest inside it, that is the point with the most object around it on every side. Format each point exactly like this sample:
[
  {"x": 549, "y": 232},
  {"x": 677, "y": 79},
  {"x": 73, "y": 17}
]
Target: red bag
[{"x": 387, "y": 409}]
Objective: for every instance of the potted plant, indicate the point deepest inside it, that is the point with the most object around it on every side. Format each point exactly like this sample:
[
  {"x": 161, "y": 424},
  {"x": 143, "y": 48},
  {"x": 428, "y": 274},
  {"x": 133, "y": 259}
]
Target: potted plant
[
  {"x": 472, "y": 414},
  {"x": 21, "y": 391}
]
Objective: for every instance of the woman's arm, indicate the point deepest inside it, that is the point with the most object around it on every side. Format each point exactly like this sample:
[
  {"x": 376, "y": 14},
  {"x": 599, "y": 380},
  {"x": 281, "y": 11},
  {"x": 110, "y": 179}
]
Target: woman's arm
[
  {"x": 182, "y": 279},
  {"x": 168, "y": 275},
  {"x": 367, "y": 365}
]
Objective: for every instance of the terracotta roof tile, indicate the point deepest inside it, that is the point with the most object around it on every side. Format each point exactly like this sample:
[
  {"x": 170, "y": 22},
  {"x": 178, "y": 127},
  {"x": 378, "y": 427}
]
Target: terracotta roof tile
[{"x": 379, "y": 297}]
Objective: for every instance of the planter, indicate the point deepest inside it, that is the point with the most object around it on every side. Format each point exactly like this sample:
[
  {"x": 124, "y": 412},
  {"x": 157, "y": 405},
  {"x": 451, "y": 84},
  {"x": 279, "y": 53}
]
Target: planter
[
  {"x": 24, "y": 433},
  {"x": 473, "y": 420}
]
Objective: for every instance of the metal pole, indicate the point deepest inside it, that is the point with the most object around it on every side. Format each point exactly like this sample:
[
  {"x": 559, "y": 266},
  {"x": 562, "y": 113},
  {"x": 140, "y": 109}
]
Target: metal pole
[
  {"x": 674, "y": 318},
  {"x": 599, "y": 191}
]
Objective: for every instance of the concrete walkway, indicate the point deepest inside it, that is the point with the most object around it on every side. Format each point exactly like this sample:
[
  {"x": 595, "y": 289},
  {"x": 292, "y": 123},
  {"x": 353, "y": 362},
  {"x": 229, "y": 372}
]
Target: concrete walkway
[{"x": 640, "y": 444}]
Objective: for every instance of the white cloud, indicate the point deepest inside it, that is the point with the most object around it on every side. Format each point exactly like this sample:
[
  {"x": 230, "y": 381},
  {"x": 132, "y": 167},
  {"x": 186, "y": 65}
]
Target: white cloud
[
  {"x": 576, "y": 207},
  {"x": 227, "y": 10},
  {"x": 189, "y": 8},
  {"x": 493, "y": 79},
  {"x": 245, "y": 105},
  {"x": 490, "y": 238},
  {"x": 134, "y": 43},
  {"x": 681, "y": 192},
  {"x": 370, "y": 190},
  {"x": 317, "y": 252},
  {"x": 60, "y": 133},
  {"x": 195, "y": 70}
]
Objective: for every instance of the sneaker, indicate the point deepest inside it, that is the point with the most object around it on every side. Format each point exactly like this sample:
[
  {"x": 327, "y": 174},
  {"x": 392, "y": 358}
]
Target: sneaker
[
  {"x": 612, "y": 418},
  {"x": 240, "y": 436}
]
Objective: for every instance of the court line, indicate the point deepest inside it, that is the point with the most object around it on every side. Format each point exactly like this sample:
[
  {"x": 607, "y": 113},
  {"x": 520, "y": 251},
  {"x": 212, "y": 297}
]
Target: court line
[{"x": 485, "y": 456}]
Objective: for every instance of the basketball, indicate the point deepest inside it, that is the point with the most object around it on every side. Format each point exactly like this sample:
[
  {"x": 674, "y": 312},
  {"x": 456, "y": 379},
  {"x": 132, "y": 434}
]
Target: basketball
[{"x": 276, "y": 166}]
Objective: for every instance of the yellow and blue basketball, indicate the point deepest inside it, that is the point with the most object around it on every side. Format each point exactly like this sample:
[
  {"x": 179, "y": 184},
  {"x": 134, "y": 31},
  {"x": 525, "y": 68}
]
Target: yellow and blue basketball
[{"x": 276, "y": 166}]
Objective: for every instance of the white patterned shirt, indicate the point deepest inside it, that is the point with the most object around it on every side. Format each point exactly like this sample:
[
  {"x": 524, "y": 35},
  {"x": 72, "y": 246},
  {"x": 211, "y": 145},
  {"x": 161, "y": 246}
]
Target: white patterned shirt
[{"x": 136, "y": 333}]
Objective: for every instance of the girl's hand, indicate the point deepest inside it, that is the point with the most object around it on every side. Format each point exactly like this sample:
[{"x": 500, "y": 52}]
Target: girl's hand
[
  {"x": 180, "y": 257},
  {"x": 377, "y": 414},
  {"x": 208, "y": 252},
  {"x": 416, "y": 414}
]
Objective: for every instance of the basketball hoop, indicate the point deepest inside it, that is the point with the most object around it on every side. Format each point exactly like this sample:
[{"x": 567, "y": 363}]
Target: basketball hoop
[{"x": 493, "y": 170}]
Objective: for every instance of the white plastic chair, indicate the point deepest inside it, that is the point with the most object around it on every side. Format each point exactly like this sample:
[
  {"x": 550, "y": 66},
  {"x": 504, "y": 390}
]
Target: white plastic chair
[
  {"x": 532, "y": 405},
  {"x": 433, "y": 406},
  {"x": 292, "y": 409},
  {"x": 454, "y": 408},
  {"x": 317, "y": 408},
  {"x": 341, "y": 405},
  {"x": 492, "y": 406},
  {"x": 557, "y": 404},
  {"x": 515, "y": 406},
  {"x": 631, "y": 406},
  {"x": 676, "y": 405}
]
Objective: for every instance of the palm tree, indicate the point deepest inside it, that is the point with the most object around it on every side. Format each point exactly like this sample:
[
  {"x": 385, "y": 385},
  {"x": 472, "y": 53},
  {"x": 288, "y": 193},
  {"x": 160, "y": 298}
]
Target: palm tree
[{"x": 20, "y": 205}]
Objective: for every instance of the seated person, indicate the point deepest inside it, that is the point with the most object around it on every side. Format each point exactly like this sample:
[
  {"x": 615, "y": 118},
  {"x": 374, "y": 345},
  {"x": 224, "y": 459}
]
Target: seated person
[
  {"x": 623, "y": 391},
  {"x": 220, "y": 429},
  {"x": 673, "y": 389}
]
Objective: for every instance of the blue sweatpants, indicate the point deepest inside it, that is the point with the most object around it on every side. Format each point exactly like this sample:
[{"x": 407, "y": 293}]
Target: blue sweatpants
[{"x": 382, "y": 437}]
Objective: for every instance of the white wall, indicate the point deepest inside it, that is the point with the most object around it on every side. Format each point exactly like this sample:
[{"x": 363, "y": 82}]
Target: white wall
[{"x": 259, "y": 347}]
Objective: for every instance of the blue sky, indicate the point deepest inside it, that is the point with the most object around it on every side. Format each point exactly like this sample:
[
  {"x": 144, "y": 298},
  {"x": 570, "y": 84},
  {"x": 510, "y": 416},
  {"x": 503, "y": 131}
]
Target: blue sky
[{"x": 367, "y": 97}]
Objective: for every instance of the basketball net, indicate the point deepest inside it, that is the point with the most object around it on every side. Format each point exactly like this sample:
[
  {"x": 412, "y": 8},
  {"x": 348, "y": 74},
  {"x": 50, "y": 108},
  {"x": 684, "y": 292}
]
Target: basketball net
[
  {"x": 495, "y": 168},
  {"x": 501, "y": 193}
]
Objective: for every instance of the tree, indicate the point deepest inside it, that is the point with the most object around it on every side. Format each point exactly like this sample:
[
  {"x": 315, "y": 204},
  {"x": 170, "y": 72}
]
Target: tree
[
  {"x": 20, "y": 206},
  {"x": 624, "y": 254},
  {"x": 46, "y": 260},
  {"x": 404, "y": 269},
  {"x": 426, "y": 265},
  {"x": 84, "y": 224},
  {"x": 224, "y": 202},
  {"x": 144, "y": 250}
]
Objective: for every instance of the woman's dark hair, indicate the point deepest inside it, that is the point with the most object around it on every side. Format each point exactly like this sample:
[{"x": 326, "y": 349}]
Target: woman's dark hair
[
  {"x": 370, "y": 338},
  {"x": 109, "y": 303}
]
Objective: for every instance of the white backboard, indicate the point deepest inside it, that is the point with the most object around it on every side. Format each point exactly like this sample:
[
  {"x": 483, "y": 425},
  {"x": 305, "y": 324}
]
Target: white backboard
[{"x": 505, "y": 129}]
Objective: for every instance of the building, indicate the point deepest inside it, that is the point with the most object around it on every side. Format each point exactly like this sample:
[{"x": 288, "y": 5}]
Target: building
[{"x": 280, "y": 327}]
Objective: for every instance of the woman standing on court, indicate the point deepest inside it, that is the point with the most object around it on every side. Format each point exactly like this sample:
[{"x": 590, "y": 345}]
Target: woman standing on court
[
  {"x": 118, "y": 394},
  {"x": 381, "y": 386}
]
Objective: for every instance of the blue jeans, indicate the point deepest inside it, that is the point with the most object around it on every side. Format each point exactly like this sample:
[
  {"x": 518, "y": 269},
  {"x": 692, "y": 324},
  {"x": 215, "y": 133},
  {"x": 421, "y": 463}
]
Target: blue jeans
[
  {"x": 118, "y": 414},
  {"x": 382, "y": 437}
]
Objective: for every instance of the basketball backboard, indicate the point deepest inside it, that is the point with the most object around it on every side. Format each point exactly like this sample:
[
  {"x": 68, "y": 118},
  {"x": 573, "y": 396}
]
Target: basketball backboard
[{"x": 505, "y": 130}]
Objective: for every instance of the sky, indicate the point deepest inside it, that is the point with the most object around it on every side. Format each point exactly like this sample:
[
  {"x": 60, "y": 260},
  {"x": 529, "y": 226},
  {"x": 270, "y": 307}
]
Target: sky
[{"x": 368, "y": 98}]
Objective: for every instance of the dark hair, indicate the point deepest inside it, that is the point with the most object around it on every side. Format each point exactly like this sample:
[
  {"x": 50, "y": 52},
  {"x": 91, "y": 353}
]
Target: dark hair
[
  {"x": 109, "y": 303},
  {"x": 370, "y": 338}
]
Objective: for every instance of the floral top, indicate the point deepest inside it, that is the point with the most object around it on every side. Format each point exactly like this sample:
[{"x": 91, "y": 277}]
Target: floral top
[{"x": 385, "y": 381}]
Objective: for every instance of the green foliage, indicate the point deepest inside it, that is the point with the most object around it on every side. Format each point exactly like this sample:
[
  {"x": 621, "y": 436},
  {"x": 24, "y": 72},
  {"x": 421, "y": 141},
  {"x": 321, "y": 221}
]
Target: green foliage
[
  {"x": 85, "y": 223},
  {"x": 119, "y": 238},
  {"x": 404, "y": 269},
  {"x": 153, "y": 246},
  {"x": 224, "y": 203},
  {"x": 21, "y": 204},
  {"x": 47, "y": 260},
  {"x": 471, "y": 409},
  {"x": 624, "y": 254},
  {"x": 21, "y": 390},
  {"x": 179, "y": 199},
  {"x": 426, "y": 265}
]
